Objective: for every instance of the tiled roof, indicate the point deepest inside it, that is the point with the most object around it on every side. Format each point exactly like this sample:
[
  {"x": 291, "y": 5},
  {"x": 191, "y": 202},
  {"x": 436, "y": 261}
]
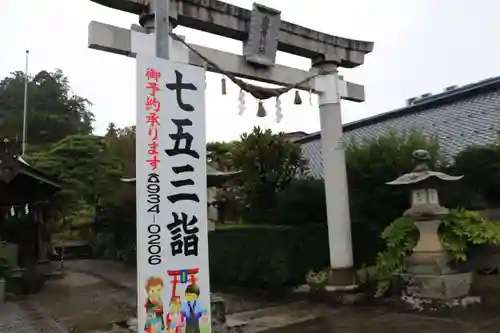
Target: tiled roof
[{"x": 459, "y": 118}]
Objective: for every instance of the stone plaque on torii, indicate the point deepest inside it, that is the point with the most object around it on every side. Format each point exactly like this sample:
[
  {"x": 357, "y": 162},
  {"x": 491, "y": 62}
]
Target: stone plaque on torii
[{"x": 262, "y": 33}]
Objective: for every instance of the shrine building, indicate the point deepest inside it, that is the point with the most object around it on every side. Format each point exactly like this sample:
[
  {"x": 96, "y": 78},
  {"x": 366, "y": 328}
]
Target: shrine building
[{"x": 458, "y": 116}]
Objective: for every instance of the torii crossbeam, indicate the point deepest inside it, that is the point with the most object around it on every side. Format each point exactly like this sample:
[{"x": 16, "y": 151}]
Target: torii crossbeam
[{"x": 263, "y": 25}]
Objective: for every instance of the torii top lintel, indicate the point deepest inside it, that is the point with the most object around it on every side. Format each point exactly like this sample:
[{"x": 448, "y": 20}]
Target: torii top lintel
[{"x": 234, "y": 22}]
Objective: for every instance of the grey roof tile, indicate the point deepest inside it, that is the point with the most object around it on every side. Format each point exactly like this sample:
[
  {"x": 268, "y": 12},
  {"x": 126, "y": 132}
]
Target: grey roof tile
[{"x": 459, "y": 123}]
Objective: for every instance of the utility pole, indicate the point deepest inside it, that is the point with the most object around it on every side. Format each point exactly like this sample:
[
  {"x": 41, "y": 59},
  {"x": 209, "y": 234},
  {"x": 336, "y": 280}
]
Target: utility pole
[{"x": 25, "y": 104}]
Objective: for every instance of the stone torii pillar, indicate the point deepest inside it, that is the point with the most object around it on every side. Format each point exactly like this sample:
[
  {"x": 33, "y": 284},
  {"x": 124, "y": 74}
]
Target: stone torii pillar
[
  {"x": 263, "y": 33},
  {"x": 335, "y": 176}
]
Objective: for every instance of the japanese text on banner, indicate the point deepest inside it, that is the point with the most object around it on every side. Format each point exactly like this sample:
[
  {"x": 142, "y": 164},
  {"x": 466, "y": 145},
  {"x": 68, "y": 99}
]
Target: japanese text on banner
[
  {"x": 152, "y": 119},
  {"x": 174, "y": 287}
]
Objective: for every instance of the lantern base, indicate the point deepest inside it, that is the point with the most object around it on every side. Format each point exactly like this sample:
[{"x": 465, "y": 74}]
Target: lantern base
[
  {"x": 429, "y": 262},
  {"x": 218, "y": 307},
  {"x": 437, "y": 287}
]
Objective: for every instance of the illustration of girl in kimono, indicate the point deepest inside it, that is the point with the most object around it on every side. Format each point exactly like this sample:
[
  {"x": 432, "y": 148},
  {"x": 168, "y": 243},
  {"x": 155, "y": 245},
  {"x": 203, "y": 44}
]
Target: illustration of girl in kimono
[{"x": 175, "y": 318}]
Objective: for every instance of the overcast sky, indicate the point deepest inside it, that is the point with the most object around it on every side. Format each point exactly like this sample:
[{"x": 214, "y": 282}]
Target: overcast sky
[{"x": 420, "y": 46}]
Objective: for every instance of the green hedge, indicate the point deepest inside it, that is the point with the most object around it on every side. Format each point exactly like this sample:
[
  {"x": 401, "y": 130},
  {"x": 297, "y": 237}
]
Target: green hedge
[{"x": 266, "y": 255}]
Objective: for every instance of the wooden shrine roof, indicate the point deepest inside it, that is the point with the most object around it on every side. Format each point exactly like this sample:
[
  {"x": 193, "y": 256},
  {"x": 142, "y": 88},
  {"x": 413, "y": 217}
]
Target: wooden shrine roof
[{"x": 21, "y": 183}]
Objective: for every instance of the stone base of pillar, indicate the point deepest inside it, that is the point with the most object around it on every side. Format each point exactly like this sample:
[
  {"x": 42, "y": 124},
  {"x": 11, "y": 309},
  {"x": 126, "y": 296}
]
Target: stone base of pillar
[
  {"x": 219, "y": 320},
  {"x": 342, "y": 287},
  {"x": 2, "y": 291},
  {"x": 218, "y": 308},
  {"x": 44, "y": 267},
  {"x": 342, "y": 278}
]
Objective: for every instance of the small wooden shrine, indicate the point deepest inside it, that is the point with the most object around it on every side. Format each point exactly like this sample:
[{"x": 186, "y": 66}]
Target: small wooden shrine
[
  {"x": 24, "y": 194},
  {"x": 215, "y": 180},
  {"x": 215, "y": 177}
]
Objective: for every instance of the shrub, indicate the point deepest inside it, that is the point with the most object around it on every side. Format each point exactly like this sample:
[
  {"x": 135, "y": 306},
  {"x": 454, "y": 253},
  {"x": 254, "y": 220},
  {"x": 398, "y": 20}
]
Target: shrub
[
  {"x": 481, "y": 167},
  {"x": 266, "y": 256},
  {"x": 373, "y": 162},
  {"x": 459, "y": 232},
  {"x": 302, "y": 203},
  {"x": 268, "y": 163}
]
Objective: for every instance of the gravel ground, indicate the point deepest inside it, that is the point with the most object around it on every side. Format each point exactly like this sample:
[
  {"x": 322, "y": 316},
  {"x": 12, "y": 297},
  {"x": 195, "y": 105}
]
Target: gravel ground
[
  {"x": 14, "y": 319},
  {"x": 83, "y": 303}
]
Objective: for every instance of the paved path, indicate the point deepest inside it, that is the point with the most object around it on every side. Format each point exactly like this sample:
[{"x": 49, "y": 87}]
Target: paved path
[
  {"x": 14, "y": 319},
  {"x": 95, "y": 293},
  {"x": 367, "y": 320},
  {"x": 83, "y": 303},
  {"x": 124, "y": 277},
  {"x": 305, "y": 317},
  {"x": 27, "y": 317}
]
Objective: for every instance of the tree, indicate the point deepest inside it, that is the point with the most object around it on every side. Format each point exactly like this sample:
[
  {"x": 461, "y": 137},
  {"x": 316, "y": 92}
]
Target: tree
[
  {"x": 52, "y": 114},
  {"x": 116, "y": 214},
  {"x": 91, "y": 173},
  {"x": 480, "y": 166},
  {"x": 268, "y": 163},
  {"x": 373, "y": 204},
  {"x": 121, "y": 141},
  {"x": 219, "y": 155},
  {"x": 111, "y": 132}
]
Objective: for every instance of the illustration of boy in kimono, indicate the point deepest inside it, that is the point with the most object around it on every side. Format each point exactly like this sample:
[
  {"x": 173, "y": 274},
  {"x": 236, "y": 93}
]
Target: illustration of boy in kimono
[
  {"x": 154, "y": 304},
  {"x": 192, "y": 310}
]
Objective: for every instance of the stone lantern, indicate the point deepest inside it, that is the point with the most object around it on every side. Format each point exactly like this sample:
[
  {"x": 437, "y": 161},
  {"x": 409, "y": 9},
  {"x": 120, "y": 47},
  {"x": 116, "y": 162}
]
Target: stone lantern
[{"x": 428, "y": 265}]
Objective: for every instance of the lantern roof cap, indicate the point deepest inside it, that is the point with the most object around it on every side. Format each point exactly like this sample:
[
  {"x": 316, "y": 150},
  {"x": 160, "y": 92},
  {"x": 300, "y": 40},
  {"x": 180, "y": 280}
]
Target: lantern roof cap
[{"x": 422, "y": 172}]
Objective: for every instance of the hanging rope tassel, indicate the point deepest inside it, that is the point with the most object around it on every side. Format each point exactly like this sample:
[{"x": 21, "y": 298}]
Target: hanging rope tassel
[
  {"x": 261, "y": 112},
  {"x": 223, "y": 85},
  {"x": 279, "y": 110},
  {"x": 205, "y": 68},
  {"x": 310, "y": 94},
  {"x": 241, "y": 105},
  {"x": 297, "y": 100}
]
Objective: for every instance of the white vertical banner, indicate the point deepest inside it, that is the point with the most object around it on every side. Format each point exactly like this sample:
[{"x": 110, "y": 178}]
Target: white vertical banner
[{"x": 172, "y": 236}]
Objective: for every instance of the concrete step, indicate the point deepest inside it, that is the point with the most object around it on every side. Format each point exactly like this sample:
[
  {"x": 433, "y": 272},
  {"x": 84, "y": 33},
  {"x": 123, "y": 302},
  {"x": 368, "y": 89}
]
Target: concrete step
[
  {"x": 73, "y": 250},
  {"x": 308, "y": 326},
  {"x": 236, "y": 326},
  {"x": 281, "y": 316}
]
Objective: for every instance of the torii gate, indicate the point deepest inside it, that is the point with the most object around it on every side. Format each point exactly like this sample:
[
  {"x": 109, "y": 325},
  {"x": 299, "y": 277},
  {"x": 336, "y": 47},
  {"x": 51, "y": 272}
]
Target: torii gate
[{"x": 263, "y": 33}]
